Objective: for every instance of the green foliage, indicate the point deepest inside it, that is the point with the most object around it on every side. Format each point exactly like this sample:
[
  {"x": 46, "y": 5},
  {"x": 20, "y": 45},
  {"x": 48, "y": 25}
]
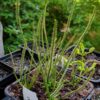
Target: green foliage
[
  {"x": 60, "y": 10},
  {"x": 82, "y": 50},
  {"x": 53, "y": 79},
  {"x": 81, "y": 15},
  {"x": 29, "y": 14}
]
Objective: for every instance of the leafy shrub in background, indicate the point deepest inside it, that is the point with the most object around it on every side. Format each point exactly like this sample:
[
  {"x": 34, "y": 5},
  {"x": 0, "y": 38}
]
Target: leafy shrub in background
[
  {"x": 29, "y": 14},
  {"x": 81, "y": 16},
  {"x": 31, "y": 10},
  {"x": 59, "y": 10}
]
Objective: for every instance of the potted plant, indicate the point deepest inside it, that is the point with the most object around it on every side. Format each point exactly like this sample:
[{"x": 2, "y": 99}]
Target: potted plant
[
  {"x": 49, "y": 81},
  {"x": 31, "y": 45}
]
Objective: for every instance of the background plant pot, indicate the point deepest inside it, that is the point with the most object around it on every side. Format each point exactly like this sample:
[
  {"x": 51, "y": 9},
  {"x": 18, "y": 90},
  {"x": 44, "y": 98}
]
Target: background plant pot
[
  {"x": 97, "y": 54},
  {"x": 16, "y": 56},
  {"x": 30, "y": 45},
  {"x": 6, "y": 73}
]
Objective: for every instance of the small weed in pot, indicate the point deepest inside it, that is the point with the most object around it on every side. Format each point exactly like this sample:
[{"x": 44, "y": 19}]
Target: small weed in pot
[{"x": 88, "y": 56}]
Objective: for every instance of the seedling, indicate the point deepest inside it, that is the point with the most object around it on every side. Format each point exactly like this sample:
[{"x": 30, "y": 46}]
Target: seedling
[{"x": 81, "y": 50}]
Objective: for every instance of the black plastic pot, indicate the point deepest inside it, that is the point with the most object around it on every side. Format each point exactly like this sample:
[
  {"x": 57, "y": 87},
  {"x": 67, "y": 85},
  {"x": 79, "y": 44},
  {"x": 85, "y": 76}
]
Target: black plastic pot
[
  {"x": 15, "y": 54},
  {"x": 29, "y": 45},
  {"x": 9, "y": 78},
  {"x": 95, "y": 82},
  {"x": 32, "y": 46}
]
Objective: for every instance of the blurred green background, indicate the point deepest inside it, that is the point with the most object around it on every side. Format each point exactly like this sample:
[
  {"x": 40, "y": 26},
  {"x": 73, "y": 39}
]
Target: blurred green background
[{"x": 31, "y": 10}]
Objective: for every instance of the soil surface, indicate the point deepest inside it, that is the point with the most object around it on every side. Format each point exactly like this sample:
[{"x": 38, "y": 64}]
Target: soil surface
[
  {"x": 16, "y": 91},
  {"x": 17, "y": 65},
  {"x": 96, "y": 95},
  {"x": 3, "y": 74}
]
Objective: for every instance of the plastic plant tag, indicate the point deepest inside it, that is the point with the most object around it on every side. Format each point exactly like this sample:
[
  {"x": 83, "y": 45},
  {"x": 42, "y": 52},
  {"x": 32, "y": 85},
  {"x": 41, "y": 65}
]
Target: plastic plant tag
[{"x": 29, "y": 95}]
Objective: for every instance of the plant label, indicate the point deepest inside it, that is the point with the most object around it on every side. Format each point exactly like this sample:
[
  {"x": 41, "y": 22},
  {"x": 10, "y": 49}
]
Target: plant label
[
  {"x": 1, "y": 41},
  {"x": 29, "y": 95}
]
